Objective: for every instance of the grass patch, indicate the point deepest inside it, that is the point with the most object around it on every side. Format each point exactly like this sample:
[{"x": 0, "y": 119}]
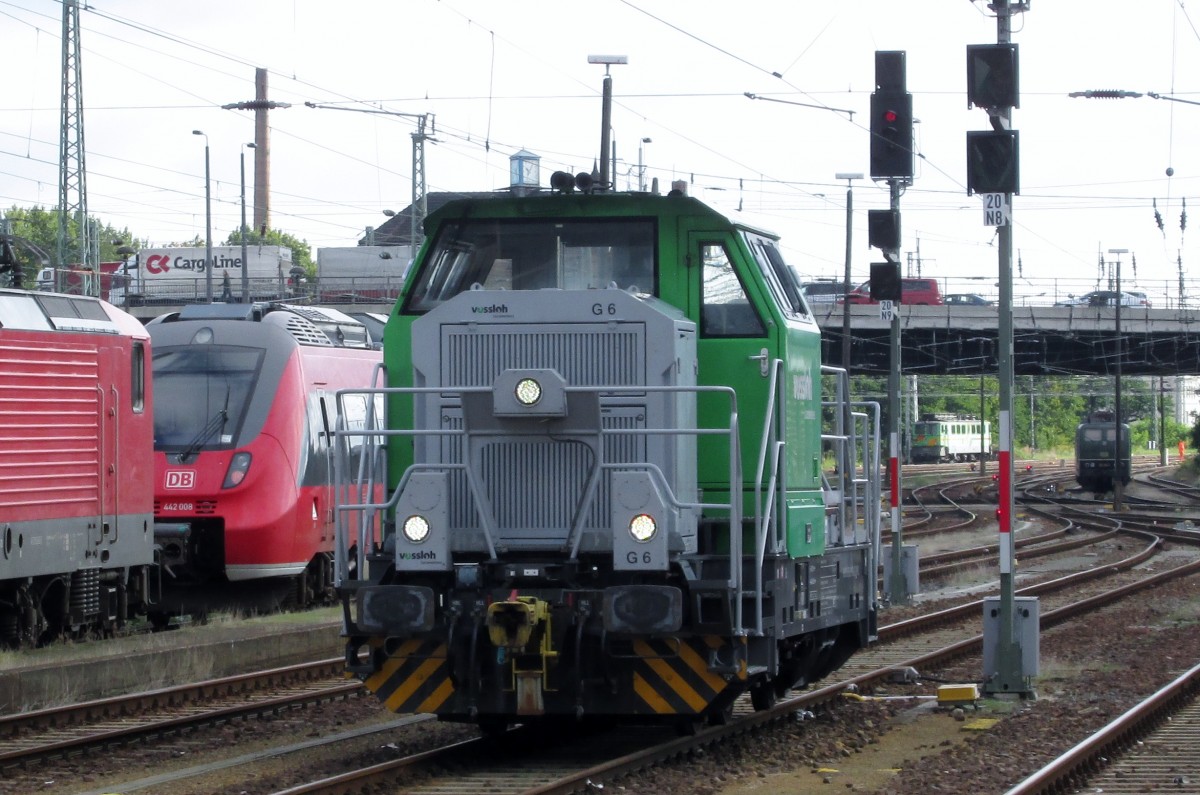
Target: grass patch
[
  {"x": 220, "y": 627},
  {"x": 972, "y": 575},
  {"x": 1055, "y": 669},
  {"x": 999, "y": 706},
  {"x": 1185, "y": 613}
]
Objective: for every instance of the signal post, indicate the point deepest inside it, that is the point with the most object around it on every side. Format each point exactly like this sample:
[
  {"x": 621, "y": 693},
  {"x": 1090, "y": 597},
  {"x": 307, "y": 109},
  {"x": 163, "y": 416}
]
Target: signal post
[
  {"x": 891, "y": 159},
  {"x": 1010, "y": 625}
]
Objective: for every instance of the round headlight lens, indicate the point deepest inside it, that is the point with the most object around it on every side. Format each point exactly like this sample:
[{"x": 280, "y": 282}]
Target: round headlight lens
[
  {"x": 642, "y": 527},
  {"x": 416, "y": 529},
  {"x": 528, "y": 391}
]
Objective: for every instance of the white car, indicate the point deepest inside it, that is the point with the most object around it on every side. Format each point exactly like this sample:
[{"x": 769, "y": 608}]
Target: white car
[
  {"x": 1107, "y": 298},
  {"x": 823, "y": 292}
]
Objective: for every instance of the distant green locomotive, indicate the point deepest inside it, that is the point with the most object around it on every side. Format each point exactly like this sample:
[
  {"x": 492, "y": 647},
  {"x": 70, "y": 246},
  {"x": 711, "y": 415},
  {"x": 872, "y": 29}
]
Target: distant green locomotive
[
  {"x": 606, "y": 443},
  {"x": 943, "y": 438}
]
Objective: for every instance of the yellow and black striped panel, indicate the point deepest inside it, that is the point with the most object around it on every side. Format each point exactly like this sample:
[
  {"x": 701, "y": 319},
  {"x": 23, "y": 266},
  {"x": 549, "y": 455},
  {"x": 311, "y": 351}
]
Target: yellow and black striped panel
[
  {"x": 672, "y": 677},
  {"x": 415, "y": 678}
]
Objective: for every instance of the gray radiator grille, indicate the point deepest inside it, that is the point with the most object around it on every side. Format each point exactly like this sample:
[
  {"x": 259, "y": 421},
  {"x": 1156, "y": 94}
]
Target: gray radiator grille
[
  {"x": 535, "y": 486},
  {"x": 538, "y": 485},
  {"x": 591, "y": 355}
]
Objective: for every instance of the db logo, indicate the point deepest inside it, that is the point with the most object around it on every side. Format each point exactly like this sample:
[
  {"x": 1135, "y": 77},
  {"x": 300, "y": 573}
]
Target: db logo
[
  {"x": 158, "y": 263},
  {"x": 181, "y": 479}
]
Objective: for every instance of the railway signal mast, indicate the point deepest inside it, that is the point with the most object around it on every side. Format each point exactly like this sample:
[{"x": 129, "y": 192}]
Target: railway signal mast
[
  {"x": 891, "y": 159},
  {"x": 1010, "y": 625}
]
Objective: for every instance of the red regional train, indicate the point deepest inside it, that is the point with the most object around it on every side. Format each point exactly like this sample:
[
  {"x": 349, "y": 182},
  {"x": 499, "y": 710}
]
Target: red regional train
[
  {"x": 244, "y": 487},
  {"x": 76, "y": 435}
]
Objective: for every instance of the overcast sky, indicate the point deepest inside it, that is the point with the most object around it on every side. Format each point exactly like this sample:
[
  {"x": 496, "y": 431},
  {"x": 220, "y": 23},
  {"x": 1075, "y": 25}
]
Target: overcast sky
[{"x": 500, "y": 75}]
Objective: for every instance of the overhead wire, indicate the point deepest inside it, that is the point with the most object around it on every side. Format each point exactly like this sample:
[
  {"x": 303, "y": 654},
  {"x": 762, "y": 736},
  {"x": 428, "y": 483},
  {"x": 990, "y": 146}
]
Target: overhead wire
[{"x": 763, "y": 182}]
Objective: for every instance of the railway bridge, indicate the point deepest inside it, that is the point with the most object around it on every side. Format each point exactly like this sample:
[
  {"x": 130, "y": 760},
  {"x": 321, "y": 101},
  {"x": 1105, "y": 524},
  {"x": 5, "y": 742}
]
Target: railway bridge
[
  {"x": 1047, "y": 340},
  {"x": 962, "y": 340}
]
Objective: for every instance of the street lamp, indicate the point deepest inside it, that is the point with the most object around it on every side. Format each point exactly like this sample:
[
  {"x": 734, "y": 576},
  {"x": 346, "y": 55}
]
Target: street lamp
[
  {"x": 641, "y": 168},
  {"x": 846, "y": 287},
  {"x": 1118, "y": 486},
  {"x": 606, "y": 112},
  {"x": 245, "y": 264},
  {"x": 126, "y": 282},
  {"x": 847, "y": 462},
  {"x": 208, "y": 262}
]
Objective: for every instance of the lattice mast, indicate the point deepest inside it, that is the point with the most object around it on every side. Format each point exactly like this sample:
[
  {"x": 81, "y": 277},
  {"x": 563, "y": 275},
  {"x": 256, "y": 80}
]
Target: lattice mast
[{"x": 72, "y": 167}]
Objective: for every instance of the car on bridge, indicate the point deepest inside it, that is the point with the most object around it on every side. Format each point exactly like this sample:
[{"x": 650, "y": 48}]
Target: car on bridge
[
  {"x": 823, "y": 291},
  {"x": 1107, "y": 298},
  {"x": 913, "y": 292},
  {"x": 966, "y": 299}
]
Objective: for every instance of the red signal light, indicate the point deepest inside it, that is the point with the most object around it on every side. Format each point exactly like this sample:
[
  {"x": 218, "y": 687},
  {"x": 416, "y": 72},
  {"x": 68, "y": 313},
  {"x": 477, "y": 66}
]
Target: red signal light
[{"x": 890, "y": 116}]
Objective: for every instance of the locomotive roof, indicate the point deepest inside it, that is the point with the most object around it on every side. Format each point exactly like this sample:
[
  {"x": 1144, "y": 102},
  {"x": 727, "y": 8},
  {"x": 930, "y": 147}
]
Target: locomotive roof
[
  {"x": 600, "y": 205},
  {"x": 308, "y": 325},
  {"x": 45, "y": 311}
]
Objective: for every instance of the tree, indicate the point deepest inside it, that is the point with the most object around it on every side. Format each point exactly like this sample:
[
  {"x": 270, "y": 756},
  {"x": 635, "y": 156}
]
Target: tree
[
  {"x": 39, "y": 226},
  {"x": 301, "y": 251}
]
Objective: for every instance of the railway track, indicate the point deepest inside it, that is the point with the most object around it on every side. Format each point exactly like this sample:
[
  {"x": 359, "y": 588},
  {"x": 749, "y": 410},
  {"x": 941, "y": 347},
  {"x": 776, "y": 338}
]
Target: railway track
[
  {"x": 30, "y": 738},
  {"x": 571, "y": 765},
  {"x": 1150, "y": 748},
  {"x": 75, "y": 722},
  {"x": 889, "y": 656},
  {"x": 506, "y": 767}
]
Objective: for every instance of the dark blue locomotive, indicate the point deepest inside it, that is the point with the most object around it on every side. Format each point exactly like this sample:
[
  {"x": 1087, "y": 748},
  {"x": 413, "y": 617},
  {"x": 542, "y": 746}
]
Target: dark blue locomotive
[{"x": 1099, "y": 459}]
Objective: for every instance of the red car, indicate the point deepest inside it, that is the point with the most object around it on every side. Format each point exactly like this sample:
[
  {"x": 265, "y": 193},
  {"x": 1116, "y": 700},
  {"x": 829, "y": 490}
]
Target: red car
[{"x": 913, "y": 291}]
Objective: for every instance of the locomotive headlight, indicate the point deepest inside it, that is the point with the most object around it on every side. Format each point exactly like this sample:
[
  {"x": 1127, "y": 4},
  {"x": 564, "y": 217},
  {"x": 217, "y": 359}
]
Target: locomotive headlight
[
  {"x": 416, "y": 529},
  {"x": 642, "y": 527},
  {"x": 239, "y": 465},
  {"x": 528, "y": 391}
]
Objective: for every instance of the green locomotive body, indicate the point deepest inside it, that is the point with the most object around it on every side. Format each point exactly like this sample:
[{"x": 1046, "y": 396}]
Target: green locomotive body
[{"x": 621, "y": 484}]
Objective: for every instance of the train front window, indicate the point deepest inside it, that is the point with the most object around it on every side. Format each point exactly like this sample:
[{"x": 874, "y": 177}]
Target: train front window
[
  {"x": 201, "y": 393},
  {"x": 535, "y": 255}
]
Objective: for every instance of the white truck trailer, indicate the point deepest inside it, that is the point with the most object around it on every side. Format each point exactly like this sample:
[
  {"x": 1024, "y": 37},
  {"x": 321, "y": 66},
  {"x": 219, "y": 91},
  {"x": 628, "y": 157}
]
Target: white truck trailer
[
  {"x": 180, "y": 275},
  {"x": 361, "y": 274}
]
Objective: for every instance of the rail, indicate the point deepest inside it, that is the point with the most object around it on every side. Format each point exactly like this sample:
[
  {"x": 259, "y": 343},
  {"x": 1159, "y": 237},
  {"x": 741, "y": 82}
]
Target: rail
[{"x": 344, "y": 448}]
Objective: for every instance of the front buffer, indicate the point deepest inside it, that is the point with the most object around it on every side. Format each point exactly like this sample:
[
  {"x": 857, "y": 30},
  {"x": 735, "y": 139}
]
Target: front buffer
[{"x": 510, "y": 657}]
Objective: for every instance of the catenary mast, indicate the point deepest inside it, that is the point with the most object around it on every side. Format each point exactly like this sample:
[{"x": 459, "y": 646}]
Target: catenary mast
[{"x": 72, "y": 168}]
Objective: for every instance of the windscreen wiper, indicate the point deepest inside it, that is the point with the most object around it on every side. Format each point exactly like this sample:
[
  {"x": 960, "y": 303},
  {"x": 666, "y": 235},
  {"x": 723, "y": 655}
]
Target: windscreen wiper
[{"x": 214, "y": 425}]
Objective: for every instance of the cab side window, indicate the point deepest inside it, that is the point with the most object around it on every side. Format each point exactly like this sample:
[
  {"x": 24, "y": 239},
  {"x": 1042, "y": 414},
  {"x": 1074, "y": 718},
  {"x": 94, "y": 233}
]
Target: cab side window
[{"x": 725, "y": 310}]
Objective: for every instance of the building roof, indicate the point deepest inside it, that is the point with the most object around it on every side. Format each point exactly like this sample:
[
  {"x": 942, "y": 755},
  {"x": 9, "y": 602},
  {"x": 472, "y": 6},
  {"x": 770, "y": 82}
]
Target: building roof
[{"x": 397, "y": 230}]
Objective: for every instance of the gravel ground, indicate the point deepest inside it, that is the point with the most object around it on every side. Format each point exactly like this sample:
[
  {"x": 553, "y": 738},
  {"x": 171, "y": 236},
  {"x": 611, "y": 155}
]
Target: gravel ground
[
  {"x": 888, "y": 747},
  {"x": 1090, "y": 672}
]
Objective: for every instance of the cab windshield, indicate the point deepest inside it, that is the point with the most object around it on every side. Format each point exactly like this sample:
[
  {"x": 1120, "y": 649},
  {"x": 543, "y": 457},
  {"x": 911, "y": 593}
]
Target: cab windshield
[
  {"x": 566, "y": 254},
  {"x": 201, "y": 393}
]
